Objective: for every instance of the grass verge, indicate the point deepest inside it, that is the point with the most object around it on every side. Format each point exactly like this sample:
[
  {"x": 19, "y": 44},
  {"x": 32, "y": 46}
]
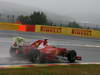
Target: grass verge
[{"x": 55, "y": 70}]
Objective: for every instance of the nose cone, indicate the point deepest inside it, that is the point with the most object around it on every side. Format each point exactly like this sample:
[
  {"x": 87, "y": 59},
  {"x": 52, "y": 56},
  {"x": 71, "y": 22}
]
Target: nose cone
[{"x": 78, "y": 58}]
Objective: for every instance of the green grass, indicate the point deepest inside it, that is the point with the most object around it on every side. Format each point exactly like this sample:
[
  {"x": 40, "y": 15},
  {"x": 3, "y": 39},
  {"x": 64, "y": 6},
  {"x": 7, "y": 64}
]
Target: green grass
[{"x": 55, "y": 70}]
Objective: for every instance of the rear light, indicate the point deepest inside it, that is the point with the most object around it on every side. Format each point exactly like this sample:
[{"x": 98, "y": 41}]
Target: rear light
[
  {"x": 78, "y": 58},
  {"x": 17, "y": 52}
]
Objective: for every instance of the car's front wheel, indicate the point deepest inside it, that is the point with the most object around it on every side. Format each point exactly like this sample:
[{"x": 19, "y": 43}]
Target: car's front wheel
[{"x": 71, "y": 56}]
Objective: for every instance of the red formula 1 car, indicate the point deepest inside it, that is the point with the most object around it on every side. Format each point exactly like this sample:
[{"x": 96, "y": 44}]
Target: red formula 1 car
[{"x": 40, "y": 52}]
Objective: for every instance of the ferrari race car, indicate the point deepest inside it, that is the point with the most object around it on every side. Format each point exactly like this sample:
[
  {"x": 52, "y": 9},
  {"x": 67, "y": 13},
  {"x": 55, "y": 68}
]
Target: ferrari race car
[{"x": 40, "y": 52}]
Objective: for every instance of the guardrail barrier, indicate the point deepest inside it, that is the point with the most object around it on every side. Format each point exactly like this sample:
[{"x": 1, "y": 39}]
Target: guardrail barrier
[{"x": 51, "y": 30}]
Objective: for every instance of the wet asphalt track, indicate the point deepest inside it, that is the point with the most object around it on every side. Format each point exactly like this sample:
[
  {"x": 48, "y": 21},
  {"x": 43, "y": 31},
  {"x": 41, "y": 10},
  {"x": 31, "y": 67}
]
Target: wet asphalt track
[{"x": 89, "y": 49}]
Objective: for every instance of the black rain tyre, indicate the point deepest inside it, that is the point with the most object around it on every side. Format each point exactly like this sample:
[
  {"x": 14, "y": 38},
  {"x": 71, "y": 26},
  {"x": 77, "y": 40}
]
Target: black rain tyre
[
  {"x": 71, "y": 56},
  {"x": 35, "y": 56}
]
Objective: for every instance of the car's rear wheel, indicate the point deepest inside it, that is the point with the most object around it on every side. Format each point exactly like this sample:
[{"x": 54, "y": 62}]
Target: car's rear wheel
[
  {"x": 35, "y": 56},
  {"x": 71, "y": 56}
]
